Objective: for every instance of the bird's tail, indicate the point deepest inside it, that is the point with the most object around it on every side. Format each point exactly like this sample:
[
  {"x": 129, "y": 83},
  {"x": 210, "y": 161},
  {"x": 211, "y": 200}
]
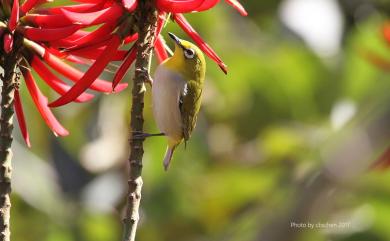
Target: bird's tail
[{"x": 168, "y": 155}]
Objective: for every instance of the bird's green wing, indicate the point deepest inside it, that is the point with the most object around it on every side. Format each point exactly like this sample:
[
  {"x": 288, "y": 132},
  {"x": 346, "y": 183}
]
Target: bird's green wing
[{"x": 189, "y": 107}]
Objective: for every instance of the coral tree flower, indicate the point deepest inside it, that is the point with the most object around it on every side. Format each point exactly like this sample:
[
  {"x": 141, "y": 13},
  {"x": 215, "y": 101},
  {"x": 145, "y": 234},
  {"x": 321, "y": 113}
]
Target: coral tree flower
[
  {"x": 114, "y": 29},
  {"x": 41, "y": 33}
]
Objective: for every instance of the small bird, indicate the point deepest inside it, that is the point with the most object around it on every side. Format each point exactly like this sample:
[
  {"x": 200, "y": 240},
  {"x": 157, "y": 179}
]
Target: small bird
[{"x": 176, "y": 92}]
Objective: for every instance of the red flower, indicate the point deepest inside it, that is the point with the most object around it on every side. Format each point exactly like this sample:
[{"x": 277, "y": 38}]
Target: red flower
[
  {"x": 103, "y": 43},
  {"x": 39, "y": 31},
  {"x": 186, "y": 6}
]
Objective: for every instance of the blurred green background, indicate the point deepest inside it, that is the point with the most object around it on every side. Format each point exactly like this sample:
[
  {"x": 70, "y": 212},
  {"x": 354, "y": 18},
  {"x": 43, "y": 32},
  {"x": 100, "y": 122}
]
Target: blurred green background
[{"x": 298, "y": 90}]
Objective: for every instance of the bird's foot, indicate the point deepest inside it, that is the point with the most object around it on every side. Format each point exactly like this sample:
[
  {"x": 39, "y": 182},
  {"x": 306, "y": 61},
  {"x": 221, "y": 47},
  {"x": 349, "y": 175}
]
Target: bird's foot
[
  {"x": 146, "y": 76},
  {"x": 137, "y": 135},
  {"x": 149, "y": 80}
]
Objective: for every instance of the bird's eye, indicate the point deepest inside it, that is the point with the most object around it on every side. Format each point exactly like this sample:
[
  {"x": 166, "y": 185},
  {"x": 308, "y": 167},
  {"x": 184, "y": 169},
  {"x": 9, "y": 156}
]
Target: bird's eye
[{"x": 189, "y": 53}]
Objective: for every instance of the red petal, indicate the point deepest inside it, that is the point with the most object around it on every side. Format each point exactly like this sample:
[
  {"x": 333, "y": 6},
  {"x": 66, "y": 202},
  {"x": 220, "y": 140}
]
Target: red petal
[
  {"x": 41, "y": 103},
  {"x": 58, "y": 85},
  {"x": 91, "y": 1},
  {"x": 130, "y": 38},
  {"x": 160, "y": 24},
  {"x": 90, "y": 76},
  {"x": 78, "y": 34},
  {"x": 184, "y": 24},
  {"x": 47, "y": 21},
  {"x": 49, "y": 34},
  {"x": 110, "y": 14},
  {"x": 77, "y": 60},
  {"x": 160, "y": 50},
  {"x": 57, "y": 52},
  {"x": 68, "y": 57},
  {"x": 20, "y": 116},
  {"x": 68, "y": 42},
  {"x": 28, "y": 5},
  {"x": 8, "y": 42},
  {"x": 95, "y": 53},
  {"x": 235, "y": 4},
  {"x": 124, "y": 67},
  {"x": 79, "y": 8},
  {"x": 34, "y": 47},
  {"x": 14, "y": 18},
  {"x": 99, "y": 45},
  {"x": 74, "y": 59},
  {"x": 130, "y": 5},
  {"x": 207, "y": 4},
  {"x": 75, "y": 74},
  {"x": 178, "y": 6},
  {"x": 40, "y": 2},
  {"x": 99, "y": 35}
]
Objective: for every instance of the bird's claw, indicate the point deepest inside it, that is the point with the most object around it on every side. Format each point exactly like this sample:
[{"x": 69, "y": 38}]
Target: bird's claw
[
  {"x": 138, "y": 135},
  {"x": 149, "y": 80},
  {"x": 146, "y": 76}
]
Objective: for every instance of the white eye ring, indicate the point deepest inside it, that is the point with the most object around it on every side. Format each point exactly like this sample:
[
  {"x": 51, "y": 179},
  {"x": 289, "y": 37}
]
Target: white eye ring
[{"x": 189, "y": 53}]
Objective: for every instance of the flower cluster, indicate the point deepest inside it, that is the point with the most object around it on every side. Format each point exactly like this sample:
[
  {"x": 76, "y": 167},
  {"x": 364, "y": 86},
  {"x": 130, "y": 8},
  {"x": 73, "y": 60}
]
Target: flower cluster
[
  {"x": 54, "y": 36},
  {"x": 37, "y": 53},
  {"x": 117, "y": 30}
]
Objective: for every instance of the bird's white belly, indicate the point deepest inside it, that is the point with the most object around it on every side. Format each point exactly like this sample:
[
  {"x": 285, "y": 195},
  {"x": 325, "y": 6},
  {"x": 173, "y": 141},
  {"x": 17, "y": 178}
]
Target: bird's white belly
[{"x": 166, "y": 90}]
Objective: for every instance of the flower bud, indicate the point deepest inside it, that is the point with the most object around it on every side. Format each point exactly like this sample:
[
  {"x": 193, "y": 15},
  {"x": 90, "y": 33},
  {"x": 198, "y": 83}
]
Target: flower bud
[{"x": 8, "y": 41}]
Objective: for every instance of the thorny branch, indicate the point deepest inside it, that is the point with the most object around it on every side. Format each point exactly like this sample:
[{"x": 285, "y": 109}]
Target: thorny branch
[{"x": 146, "y": 26}]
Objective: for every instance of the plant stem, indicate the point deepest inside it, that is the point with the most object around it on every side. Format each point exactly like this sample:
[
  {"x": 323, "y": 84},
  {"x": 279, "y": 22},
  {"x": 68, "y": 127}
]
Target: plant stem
[
  {"x": 146, "y": 27},
  {"x": 9, "y": 81}
]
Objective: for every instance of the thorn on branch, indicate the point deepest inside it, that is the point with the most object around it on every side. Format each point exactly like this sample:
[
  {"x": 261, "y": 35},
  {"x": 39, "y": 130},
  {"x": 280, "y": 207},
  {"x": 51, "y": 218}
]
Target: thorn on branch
[{"x": 143, "y": 72}]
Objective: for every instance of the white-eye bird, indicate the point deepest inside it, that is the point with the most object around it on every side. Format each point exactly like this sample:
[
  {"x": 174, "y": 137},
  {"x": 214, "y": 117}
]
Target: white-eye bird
[{"x": 176, "y": 92}]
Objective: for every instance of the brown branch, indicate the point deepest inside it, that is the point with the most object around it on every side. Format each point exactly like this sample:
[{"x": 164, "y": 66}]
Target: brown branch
[
  {"x": 146, "y": 26},
  {"x": 9, "y": 81}
]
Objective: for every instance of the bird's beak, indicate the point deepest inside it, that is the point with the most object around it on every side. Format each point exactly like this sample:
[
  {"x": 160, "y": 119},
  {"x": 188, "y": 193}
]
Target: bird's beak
[{"x": 176, "y": 39}]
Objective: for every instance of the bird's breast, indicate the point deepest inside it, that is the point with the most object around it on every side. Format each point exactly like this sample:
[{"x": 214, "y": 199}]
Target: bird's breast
[{"x": 166, "y": 90}]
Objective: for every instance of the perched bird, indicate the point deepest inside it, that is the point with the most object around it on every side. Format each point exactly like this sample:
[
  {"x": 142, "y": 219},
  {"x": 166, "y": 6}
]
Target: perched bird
[{"x": 176, "y": 92}]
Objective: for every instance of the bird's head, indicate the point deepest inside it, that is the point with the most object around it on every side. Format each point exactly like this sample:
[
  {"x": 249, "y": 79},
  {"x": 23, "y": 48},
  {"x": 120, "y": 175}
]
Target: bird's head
[{"x": 187, "y": 59}]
